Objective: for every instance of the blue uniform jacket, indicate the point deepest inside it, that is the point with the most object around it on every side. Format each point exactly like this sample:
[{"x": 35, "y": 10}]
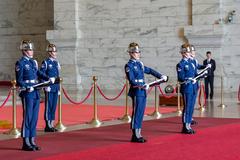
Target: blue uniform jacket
[
  {"x": 197, "y": 67},
  {"x": 27, "y": 74},
  {"x": 185, "y": 70},
  {"x": 51, "y": 68},
  {"x": 135, "y": 70}
]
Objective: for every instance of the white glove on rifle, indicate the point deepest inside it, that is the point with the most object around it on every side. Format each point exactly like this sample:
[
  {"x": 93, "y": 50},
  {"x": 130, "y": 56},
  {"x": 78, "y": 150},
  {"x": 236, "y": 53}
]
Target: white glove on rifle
[
  {"x": 165, "y": 78},
  {"x": 52, "y": 79},
  {"x": 47, "y": 89},
  {"x": 146, "y": 86},
  {"x": 30, "y": 89},
  {"x": 192, "y": 80},
  {"x": 209, "y": 65}
]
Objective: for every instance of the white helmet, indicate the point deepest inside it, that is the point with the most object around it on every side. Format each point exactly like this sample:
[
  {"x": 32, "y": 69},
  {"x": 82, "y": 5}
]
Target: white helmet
[
  {"x": 185, "y": 48},
  {"x": 51, "y": 48},
  {"x": 26, "y": 45},
  {"x": 133, "y": 48}
]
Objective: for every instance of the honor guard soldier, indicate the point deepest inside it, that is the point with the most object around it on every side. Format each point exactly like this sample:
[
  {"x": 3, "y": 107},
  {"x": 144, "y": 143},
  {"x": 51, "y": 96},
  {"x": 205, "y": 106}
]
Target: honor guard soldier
[
  {"x": 197, "y": 67},
  {"x": 135, "y": 70},
  {"x": 51, "y": 68},
  {"x": 27, "y": 75},
  {"x": 186, "y": 73}
]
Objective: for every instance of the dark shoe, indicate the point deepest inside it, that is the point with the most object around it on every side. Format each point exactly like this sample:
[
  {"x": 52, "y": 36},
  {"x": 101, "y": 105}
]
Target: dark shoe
[
  {"x": 144, "y": 140},
  {"x": 55, "y": 130},
  {"x": 193, "y": 132},
  {"x": 187, "y": 131},
  {"x": 47, "y": 129},
  {"x": 28, "y": 148},
  {"x": 138, "y": 140},
  {"x": 37, "y": 148},
  {"x": 194, "y": 122}
]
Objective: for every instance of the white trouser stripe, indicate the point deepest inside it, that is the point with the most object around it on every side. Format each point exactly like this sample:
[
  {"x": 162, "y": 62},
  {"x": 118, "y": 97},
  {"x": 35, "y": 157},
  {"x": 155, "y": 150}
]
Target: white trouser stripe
[
  {"x": 24, "y": 118},
  {"x": 134, "y": 111}
]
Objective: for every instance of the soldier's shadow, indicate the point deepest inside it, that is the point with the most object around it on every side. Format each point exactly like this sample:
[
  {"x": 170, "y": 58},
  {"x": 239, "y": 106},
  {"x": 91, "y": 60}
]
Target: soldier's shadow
[
  {"x": 10, "y": 148},
  {"x": 115, "y": 139}
]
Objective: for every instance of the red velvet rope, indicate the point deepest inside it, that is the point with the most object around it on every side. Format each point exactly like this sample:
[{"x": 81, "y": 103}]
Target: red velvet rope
[
  {"x": 239, "y": 93},
  {"x": 205, "y": 99},
  {"x": 164, "y": 95},
  {"x": 8, "y": 96},
  {"x": 200, "y": 94},
  {"x": 150, "y": 89},
  {"x": 111, "y": 99},
  {"x": 81, "y": 102}
]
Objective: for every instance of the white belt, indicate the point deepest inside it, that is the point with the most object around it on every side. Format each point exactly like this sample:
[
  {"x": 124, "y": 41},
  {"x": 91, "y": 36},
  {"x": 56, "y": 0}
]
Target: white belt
[
  {"x": 138, "y": 80},
  {"x": 31, "y": 81}
]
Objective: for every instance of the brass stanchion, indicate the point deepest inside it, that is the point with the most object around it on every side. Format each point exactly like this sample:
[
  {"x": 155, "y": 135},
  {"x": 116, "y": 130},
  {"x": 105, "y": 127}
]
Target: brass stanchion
[
  {"x": 126, "y": 116},
  {"x": 95, "y": 121},
  {"x": 156, "y": 114},
  {"x": 59, "y": 126},
  {"x": 201, "y": 107},
  {"x": 14, "y": 131},
  {"x": 179, "y": 101},
  {"x": 222, "y": 105}
]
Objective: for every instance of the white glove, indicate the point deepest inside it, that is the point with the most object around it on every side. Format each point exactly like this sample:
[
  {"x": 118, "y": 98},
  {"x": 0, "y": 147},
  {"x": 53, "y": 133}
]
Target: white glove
[
  {"x": 52, "y": 79},
  {"x": 205, "y": 74},
  {"x": 146, "y": 86},
  {"x": 209, "y": 65},
  {"x": 47, "y": 89},
  {"x": 192, "y": 80},
  {"x": 165, "y": 78},
  {"x": 30, "y": 89},
  {"x": 59, "y": 93}
]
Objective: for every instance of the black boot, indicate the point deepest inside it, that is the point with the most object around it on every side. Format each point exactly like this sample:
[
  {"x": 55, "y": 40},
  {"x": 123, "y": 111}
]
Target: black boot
[
  {"x": 185, "y": 130},
  {"x": 26, "y": 145},
  {"x": 135, "y": 138},
  {"x": 52, "y": 125},
  {"x": 138, "y": 140},
  {"x": 33, "y": 144},
  {"x": 48, "y": 127}
]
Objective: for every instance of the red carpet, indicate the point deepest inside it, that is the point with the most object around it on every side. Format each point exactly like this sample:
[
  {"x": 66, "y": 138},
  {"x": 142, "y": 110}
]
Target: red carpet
[
  {"x": 215, "y": 139},
  {"x": 76, "y": 114},
  {"x": 209, "y": 144}
]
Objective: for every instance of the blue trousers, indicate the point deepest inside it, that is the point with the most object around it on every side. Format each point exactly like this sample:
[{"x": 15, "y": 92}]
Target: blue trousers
[
  {"x": 188, "y": 100},
  {"x": 138, "y": 104},
  {"x": 194, "y": 101},
  {"x": 30, "y": 115},
  {"x": 51, "y": 99}
]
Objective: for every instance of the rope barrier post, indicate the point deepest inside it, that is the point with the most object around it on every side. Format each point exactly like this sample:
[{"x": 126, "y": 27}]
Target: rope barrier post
[
  {"x": 59, "y": 126},
  {"x": 14, "y": 131},
  {"x": 201, "y": 106},
  {"x": 179, "y": 100},
  {"x": 156, "y": 114},
  {"x": 95, "y": 121},
  {"x": 222, "y": 105},
  {"x": 126, "y": 117}
]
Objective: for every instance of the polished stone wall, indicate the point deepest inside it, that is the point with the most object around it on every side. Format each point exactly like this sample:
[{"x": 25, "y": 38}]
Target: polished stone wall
[
  {"x": 212, "y": 30},
  {"x": 92, "y": 36},
  {"x": 22, "y": 19},
  {"x": 103, "y": 30}
]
